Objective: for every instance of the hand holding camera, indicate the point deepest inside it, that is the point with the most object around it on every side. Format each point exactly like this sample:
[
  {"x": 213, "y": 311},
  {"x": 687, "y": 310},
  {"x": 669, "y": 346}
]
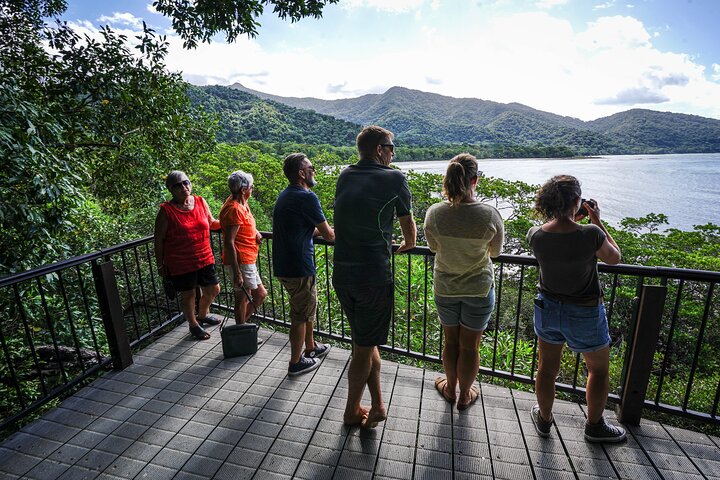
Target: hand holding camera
[{"x": 582, "y": 210}]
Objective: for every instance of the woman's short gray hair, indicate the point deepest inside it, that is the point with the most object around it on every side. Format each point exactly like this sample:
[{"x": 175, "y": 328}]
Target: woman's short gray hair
[{"x": 239, "y": 180}]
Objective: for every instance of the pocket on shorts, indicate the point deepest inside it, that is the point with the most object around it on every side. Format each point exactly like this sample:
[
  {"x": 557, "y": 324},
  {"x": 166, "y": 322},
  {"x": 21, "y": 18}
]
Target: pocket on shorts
[{"x": 587, "y": 324}]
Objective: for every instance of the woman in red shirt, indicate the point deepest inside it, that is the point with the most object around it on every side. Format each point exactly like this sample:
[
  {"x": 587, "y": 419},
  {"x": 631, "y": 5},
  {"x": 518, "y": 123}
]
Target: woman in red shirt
[{"x": 183, "y": 253}]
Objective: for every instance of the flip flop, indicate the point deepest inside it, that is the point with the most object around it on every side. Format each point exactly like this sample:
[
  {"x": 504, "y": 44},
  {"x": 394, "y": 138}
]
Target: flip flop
[
  {"x": 440, "y": 384},
  {"x": 209, "y": 320},
  {"x": 474, "y": 394},
  {"x": 199, "y": 333}
]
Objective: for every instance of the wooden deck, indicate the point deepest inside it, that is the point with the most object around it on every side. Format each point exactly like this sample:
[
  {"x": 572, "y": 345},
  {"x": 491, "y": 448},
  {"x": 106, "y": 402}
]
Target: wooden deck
[{"x": 183, "y": 412}]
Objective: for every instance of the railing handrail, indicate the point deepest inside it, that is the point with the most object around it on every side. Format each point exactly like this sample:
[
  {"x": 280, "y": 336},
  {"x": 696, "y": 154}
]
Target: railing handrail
[
  {"x": 527, "y": 260},
  {"x": 71, "y": 262}
]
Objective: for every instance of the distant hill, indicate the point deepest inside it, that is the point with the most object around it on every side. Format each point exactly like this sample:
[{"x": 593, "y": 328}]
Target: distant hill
[
  {"x": 421, "y": 118},
  {"x": 244, "y": 117}
]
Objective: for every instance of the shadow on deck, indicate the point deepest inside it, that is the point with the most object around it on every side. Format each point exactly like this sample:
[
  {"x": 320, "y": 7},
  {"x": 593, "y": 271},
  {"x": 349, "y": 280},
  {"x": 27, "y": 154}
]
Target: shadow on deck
[{"x": 181, "y": 411}]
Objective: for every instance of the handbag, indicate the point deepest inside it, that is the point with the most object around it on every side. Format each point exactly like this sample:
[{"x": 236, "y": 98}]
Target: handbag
[{"x": 238, "y": 340}]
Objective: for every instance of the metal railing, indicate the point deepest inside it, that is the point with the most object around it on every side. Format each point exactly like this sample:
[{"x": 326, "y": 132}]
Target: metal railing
[{"x": 67, "y": 321}]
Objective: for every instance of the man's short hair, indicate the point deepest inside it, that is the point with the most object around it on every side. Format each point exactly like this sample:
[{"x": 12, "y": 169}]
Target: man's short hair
[
  {"x": 293, "y": 164},
  {"x": 370, "y": 137}
]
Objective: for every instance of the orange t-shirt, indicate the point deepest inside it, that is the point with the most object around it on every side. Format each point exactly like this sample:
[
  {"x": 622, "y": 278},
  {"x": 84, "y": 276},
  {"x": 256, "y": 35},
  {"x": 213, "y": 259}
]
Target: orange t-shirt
[{"x": 246, "y": 246}]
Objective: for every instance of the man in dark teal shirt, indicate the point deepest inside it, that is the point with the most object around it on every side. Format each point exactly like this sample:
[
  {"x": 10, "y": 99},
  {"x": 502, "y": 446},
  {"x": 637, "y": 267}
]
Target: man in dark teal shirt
[{"x": 368, "y": 196}]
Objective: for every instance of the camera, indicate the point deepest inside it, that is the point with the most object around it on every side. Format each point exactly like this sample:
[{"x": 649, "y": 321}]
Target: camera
[{"x": 583, "y": 211}]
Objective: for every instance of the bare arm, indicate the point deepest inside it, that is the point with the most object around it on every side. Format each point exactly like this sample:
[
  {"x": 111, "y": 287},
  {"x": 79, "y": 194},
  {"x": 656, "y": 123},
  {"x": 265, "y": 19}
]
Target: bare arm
[
  {"x": 609, "y": 252},
  {"x": 230, "y": 254},
  {"x": 409, "y": 232},
  {"x": 214, "y": 224},
  {"x": 496, "y": 244},
  {"x": 161, "y": 224},
  {"x": 326, "y": 231}
]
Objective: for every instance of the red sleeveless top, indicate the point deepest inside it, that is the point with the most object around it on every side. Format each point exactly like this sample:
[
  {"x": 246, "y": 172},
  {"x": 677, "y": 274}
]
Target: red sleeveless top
[{"x": 187, "y": 240}]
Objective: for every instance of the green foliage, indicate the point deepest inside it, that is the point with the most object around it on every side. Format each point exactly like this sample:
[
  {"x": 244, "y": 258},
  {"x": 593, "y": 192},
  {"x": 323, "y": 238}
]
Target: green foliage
[
  {"x": 87, "y": 127},
  {"x": 201, "y": 20}
]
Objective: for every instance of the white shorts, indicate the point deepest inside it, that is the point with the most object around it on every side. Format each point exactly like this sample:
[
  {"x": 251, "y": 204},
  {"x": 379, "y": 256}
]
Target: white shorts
[{"x": 251, "y": 277}]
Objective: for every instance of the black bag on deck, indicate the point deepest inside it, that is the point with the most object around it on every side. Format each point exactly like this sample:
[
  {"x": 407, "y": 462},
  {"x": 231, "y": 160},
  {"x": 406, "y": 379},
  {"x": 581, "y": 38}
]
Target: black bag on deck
[{"x": 238, "y": 340}]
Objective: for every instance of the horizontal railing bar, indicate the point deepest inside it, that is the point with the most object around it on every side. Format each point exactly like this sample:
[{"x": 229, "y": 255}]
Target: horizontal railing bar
[{"x": 71, "y": 262}]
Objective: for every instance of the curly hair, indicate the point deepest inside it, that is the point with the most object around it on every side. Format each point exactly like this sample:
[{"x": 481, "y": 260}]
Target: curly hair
[
  {"x": 458, "y": 177},
  {"x": 557, "y": 197}
]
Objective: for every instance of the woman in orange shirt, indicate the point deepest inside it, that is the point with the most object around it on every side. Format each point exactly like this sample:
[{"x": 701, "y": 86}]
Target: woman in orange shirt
[{"x": 241, "y": 242}]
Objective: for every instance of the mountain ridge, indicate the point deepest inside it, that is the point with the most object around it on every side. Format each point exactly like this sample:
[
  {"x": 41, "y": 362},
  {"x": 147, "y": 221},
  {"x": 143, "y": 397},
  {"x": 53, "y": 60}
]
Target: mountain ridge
[{"x": 425, "y": 118}]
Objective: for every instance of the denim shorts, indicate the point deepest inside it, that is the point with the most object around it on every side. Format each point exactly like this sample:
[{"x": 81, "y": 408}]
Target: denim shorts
[
  {"x": 585, "y": 329},
  {"x": 472, "y": 313}
]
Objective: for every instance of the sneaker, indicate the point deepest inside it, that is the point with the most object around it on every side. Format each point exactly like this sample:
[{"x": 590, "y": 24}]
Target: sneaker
[
  {"x": 319, "y": 351},
  {"x": 603, "y": 432},
  {"x": 542, "y": 426},
  {"x": 303, "y": 366}
]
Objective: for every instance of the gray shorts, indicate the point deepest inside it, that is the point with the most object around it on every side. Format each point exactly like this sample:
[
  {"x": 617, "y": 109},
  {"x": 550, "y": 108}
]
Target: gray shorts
[{"x": 472, "y": 313}]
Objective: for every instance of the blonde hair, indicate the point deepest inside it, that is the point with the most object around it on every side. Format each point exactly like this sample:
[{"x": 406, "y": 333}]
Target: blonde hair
[{"x": 457, "y": 182}]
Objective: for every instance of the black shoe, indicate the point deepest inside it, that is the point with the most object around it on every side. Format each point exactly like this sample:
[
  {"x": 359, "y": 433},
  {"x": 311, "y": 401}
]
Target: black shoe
[
  {"x": 304, "y": 365},
  {"x": 319, "y": 351},
  {"x": 603, "y": 432},
  {"x": 542, "y": 426}
]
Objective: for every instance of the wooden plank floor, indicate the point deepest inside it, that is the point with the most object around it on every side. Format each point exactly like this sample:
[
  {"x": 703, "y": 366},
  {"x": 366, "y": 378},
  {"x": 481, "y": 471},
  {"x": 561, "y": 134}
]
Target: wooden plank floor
[{"x": 181, "y": 411}]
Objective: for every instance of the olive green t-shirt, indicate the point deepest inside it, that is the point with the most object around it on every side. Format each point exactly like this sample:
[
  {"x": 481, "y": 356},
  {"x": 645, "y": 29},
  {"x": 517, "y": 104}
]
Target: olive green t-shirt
[{"x": 568, "y": 265}]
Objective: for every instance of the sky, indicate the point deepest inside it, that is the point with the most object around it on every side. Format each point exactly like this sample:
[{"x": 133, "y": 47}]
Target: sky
[{"x": 580, "y": 58}]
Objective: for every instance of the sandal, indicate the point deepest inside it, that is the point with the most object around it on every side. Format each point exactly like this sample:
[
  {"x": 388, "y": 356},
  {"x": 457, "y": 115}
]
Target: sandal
[
  {"x": 197, "y": 332},
  {"x": 440, "y": 384},
  {"x": 209, "y": 320},
  {"x": 474, "y": 394}
]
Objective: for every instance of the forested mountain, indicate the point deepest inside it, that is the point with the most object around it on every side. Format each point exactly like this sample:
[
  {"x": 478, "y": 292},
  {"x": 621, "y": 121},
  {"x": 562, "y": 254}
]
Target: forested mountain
[
  {"x": 244, "y": 117},
  {"x": 421, "y": 118}
]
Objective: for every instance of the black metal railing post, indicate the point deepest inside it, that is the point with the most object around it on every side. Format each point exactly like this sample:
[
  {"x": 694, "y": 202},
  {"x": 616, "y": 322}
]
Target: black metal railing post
[
  {"x": 112, "y": 314},
  {"x": 640, "y": 352}
]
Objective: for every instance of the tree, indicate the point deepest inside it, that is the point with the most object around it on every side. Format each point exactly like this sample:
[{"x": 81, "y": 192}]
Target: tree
[
  {"x": 87, "y": 131},
  {"x": 200, "y": 20}
]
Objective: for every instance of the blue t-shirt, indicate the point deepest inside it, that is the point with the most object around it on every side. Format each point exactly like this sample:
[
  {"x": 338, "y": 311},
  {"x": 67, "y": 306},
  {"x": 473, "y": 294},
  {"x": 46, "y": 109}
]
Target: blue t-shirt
[{"x": 296, "y": 214}]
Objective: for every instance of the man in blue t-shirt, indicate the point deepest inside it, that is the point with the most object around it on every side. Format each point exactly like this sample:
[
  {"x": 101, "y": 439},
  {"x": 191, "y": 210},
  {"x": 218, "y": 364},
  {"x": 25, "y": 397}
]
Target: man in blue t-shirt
[
  {"x": 297, "y": 217},
  {"x": 368, "y": 197}
]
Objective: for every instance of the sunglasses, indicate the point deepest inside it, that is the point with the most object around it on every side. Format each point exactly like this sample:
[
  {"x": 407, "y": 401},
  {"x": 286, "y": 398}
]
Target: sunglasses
[
  {"x": 391, "y": 146},
  {"x": 310, "y": 167},
  {"x": 184, "y": 183}
]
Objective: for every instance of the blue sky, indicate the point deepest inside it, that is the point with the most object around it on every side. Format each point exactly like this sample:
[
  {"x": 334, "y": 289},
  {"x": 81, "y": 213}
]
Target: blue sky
[{"x": 580, "y": 58}]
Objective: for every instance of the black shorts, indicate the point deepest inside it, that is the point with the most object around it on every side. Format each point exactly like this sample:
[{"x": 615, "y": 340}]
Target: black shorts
[
  {"x": 369, "y": 310},
  {"x": 204, "y": 277}
]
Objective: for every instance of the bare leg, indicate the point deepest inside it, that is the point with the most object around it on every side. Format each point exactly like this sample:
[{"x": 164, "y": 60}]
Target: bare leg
[
  {"x": 207, "y": 295},
  {"x": 451, "y": 351},
  {"x": 241, "y": 303},
  {"x": 258, "y": 297},
  {"x": 468, "y": 361},
  {"x": 377, "y": 409},
  {"x": 359, "y": 373},
  {"x": 309, "y": 340},
  {"x": 297, "y": 337},
  {"x": 187, "y": 304},
  {"x": 596, "y": 391},
  {"x": 549, "y": 356}
]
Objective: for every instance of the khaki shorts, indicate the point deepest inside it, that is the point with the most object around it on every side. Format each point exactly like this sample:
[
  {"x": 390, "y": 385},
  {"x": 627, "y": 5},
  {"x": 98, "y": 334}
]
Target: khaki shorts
[{"x": 303, "y": 297}]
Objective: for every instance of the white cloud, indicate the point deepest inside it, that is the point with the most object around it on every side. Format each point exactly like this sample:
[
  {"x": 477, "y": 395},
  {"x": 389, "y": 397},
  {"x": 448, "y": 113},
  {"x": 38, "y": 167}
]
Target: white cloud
[
  {"x": 535, "y": 59},
  {"x": 120, "y": 18},
  {"x": 545, "y": 4},
  {"x": 151, "y": 8},
  {"x": 603, "y": 6},
  {"x": 394, "y": 6}
]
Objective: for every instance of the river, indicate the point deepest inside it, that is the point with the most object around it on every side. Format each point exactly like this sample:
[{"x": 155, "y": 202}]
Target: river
[{"x": 684, "y": 187}]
